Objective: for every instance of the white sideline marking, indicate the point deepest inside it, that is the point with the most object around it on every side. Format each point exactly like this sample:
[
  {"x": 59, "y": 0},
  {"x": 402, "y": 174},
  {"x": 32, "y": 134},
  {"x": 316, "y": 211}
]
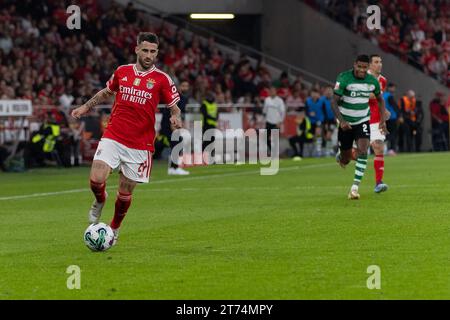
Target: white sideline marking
[
  {"x": 44, "y": 194},
  {"x": 231, "y": 174}
]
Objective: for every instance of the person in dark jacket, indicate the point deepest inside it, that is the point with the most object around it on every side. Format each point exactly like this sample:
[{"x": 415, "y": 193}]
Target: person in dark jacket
[
  {"x": 392, "y": 122},
  {"x": 164, "y": 138},
  {"x": 210, "y": 115}
]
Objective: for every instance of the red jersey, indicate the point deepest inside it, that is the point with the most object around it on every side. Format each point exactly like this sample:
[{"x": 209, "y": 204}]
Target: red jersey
[
  {"x": 138, "y": 93},
  {"x": 373, "y": 103}
]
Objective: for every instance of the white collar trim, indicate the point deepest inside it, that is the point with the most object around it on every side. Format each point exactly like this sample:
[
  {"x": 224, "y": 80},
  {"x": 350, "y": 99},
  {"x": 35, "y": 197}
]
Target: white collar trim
[{"x": 143, "y": 73}]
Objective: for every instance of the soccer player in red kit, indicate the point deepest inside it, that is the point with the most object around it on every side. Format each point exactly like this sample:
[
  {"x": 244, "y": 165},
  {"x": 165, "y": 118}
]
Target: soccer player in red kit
[
  {"x": 377, "y": 137},
  {"x": 128, "y": 140}
]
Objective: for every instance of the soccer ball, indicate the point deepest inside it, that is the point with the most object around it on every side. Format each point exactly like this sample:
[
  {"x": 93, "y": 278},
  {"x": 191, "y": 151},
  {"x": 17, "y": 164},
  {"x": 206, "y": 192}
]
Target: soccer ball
[{"x": 99, "y": 237}]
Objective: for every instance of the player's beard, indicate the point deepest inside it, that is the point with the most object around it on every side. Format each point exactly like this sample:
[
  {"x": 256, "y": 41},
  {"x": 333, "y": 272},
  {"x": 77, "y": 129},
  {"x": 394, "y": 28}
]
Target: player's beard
[{"x": 144, "y": 65}]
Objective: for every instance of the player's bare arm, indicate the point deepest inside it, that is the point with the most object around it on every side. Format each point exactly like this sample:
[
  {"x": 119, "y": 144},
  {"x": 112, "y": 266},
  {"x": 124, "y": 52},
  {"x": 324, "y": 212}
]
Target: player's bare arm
[
  {"x": 334, "y": 106},
  {"x": 100, "y": 97},
  {"x": 175, "y": 117},
  {"x": 384, "y": 114}
]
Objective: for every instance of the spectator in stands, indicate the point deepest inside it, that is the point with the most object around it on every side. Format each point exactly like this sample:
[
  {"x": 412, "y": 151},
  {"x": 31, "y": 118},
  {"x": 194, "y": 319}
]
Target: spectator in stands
[
  {"x": 393, "y": 121},
  {"x": 130, "y": 13},
  {"x": 50, "y": 74},
  {"x": 244, "y": 79},
  {"x": 403, "y": 127},
  {"x": 275, "y": 112},
  {"x": 410, "y": 130},
  {"x": 6, "y": 43},
  {"x": 439, "y": 67},
  {"x": 283, "y": 86},
  {"x": 174, "y": 168},
  {"x": 439, "y": 123},
  {"x": 42, "y": 145},
  {"x": 295, "y": 102},
  {"x": 329, "y": 123},
  {"x": 315, "y": 112},
  {"x": 76, "y": 131},
  {"x": 210, "y": 115},
  {"x": 304, "y": 135},
  {"x": 414, "y": 30},
  {"x": 418, "y": 126}
]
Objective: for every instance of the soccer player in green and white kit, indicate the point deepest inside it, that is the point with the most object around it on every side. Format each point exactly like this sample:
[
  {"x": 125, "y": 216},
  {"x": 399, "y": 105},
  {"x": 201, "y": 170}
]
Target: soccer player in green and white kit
[{"x": 351, "y": 108}]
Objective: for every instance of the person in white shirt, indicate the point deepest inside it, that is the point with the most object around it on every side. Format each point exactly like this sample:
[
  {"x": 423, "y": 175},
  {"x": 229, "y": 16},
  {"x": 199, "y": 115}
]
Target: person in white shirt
[{"x": 275, "y": 112}]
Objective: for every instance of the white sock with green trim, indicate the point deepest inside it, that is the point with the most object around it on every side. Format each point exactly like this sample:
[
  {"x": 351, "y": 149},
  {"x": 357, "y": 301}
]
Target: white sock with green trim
[{"x": 360, "y": 168}]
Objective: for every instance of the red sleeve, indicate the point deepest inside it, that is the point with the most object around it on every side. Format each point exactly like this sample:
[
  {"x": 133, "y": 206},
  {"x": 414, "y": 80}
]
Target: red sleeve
[
  {"x": 383, "y": 84},
  {"x": 169, "y": 92},
  {"x": 113, "y": 82}
]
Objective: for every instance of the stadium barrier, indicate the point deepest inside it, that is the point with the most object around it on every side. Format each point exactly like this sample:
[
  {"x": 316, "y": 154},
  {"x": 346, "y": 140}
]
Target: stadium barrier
[
  {"x": 232, "y": 117},
  {"x": 13, "y": 129}
]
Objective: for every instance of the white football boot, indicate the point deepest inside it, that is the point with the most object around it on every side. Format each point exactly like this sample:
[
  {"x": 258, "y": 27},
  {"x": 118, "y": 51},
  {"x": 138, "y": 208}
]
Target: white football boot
[
  {"x": 116, "y": 235},
  {"x": 353, "y": 194},
  {"x": 182, "y": 172},
  {"x": 178, "y": 172},
  {"x": 96, "y": 210}
]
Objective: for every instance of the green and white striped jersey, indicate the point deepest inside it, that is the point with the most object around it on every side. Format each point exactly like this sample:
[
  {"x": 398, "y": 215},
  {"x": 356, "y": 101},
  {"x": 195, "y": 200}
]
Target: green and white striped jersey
[{"x": 355, "y": 94}]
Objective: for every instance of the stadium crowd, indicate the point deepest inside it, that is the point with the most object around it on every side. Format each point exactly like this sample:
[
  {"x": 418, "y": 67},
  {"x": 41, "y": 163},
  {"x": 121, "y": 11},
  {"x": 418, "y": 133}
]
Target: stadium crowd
[
  {"x": 416, "y": 31},
  {"x": 45, "y": 62},
  {"x": 42, "y": 60}
]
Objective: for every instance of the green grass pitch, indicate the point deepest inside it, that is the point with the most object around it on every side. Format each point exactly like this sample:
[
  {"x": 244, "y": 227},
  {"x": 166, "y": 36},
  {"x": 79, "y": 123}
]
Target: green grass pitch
[{"x": 225, "y": 232}]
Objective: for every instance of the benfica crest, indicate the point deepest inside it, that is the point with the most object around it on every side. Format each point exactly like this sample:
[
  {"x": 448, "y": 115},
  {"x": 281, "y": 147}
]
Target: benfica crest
[{"x": 150, "y": 83}]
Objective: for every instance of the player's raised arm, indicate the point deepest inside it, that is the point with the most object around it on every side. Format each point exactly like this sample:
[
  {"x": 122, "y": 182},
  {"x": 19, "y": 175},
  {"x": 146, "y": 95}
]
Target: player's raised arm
[{"x": 100, "y": 97}]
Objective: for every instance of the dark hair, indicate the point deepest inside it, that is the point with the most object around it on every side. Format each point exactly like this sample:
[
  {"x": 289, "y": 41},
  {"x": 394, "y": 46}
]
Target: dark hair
[
  {"x": 147, "y": 36},
  {"x": 391, "y": 84},
  {"x": 363, "y": 58},
  {"x": 374, "y": 56}
]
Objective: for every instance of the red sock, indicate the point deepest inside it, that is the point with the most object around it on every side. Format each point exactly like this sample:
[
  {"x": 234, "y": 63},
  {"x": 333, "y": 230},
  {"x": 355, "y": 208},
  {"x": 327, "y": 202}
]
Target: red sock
[
  {"x": 123, "y": 202},
  {"x": 378, "y": 164},
  {"x": 99, "y": 191}
]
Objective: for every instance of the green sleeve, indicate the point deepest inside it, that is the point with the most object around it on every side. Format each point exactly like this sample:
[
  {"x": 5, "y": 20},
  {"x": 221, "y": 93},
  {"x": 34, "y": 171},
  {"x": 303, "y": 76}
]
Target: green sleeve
[{"x": 340, "y": 85}]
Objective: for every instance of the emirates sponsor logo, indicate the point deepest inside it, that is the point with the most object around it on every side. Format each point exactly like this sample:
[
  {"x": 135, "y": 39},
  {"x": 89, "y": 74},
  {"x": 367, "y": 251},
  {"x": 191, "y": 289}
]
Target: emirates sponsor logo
[
  {"x": 134, "y": 95},
  {"x": 135, "y": 92}
]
